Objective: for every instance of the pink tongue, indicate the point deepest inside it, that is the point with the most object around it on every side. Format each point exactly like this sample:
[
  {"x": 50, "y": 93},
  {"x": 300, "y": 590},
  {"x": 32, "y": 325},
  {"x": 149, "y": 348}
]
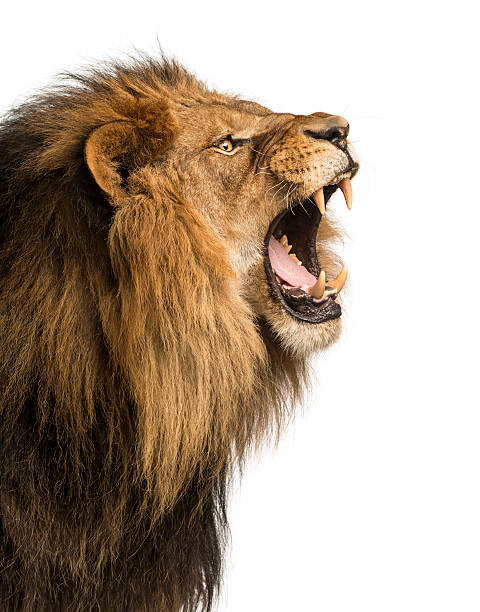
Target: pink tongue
[{"x": 284, "y": 266}]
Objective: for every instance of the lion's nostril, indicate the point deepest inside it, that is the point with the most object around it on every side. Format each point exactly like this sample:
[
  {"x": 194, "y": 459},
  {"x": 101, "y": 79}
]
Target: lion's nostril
[
  {"x": 333, "y": 134},
  {"x": 331, "y": 128},
  {"x": 339, "y": 141}
]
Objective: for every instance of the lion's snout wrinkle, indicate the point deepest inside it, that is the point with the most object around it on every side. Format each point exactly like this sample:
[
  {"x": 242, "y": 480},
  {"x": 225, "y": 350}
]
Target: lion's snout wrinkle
[{"x": 327, "y": 128}]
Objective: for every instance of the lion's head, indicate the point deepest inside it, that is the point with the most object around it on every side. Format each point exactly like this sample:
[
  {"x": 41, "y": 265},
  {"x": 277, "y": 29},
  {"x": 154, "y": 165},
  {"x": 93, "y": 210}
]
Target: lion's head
[
  {"x": 258, "y": 179},
  {"x": 153, "y": 308}
]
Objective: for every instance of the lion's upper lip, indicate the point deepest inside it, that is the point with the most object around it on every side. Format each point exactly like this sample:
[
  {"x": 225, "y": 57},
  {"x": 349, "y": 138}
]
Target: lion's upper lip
[{"x": 291, "y": 262}]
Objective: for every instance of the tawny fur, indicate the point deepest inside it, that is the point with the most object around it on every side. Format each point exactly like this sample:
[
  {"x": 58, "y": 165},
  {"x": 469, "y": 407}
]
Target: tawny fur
[{"x": 141, "y": 354}]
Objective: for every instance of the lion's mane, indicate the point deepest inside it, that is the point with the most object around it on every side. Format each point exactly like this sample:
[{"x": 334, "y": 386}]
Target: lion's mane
[{"x": 132, "y": 376}]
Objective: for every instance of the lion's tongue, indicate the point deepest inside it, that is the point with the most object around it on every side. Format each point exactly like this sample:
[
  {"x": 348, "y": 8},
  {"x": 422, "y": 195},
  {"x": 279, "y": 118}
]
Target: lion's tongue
[{"x": 286, "y": 268}]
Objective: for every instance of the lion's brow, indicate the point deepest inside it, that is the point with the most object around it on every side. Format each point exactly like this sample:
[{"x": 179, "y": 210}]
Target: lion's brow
[{"x": 241, "y": 106}]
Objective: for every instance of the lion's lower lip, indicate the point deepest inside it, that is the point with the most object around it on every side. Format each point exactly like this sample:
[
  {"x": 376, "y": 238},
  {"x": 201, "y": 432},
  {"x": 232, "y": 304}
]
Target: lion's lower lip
[{"x": 301, "y": 222}]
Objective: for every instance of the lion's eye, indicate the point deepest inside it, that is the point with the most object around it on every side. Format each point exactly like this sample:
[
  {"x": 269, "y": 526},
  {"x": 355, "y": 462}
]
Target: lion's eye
[{"x": 226, "y": 145}]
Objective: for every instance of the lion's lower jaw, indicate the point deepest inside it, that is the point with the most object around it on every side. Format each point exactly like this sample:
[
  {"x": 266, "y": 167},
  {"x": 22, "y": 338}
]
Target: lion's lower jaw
[
  {"x": 299, "y": 339},
  {"x": 302, "y": 339}
]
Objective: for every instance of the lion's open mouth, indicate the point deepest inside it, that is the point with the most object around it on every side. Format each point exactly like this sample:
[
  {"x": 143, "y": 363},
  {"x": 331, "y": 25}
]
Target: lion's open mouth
[{"x": 293, "y": 271}]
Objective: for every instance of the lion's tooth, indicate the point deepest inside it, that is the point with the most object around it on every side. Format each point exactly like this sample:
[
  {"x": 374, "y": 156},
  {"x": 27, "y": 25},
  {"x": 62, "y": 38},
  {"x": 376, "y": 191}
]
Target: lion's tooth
[
  {"x": 346, "y": 187},
  {"x": 318, "y": 288},
  {"x": 339, "y": 282},
  {"x": 329, "y": 292},
  {"x": 284, "y": 243},
  {"x": 319, "y": 199},
  {"x": 295, "y": 258}
]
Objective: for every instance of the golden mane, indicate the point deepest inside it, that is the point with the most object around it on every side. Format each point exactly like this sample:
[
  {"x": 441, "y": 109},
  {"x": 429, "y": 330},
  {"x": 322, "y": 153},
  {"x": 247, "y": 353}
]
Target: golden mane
[{"x": 133, "y": 373}]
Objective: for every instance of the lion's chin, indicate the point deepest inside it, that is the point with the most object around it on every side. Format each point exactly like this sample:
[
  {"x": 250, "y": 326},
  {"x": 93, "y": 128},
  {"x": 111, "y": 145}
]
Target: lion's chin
[{"x": 299, "y": 338}]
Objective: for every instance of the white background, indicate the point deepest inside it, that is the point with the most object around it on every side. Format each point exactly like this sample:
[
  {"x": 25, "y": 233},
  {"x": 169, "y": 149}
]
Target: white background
[{"x": 371, "y": 501}]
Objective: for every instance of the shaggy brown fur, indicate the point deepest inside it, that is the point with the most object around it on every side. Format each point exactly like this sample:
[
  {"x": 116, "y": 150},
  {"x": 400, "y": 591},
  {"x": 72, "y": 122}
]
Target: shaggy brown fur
[{"x": 141, "y": 353}]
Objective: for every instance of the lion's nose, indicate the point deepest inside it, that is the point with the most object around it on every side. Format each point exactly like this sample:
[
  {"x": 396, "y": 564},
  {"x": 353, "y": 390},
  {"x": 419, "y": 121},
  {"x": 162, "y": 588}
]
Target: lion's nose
[{"x": 327, "y": 127}]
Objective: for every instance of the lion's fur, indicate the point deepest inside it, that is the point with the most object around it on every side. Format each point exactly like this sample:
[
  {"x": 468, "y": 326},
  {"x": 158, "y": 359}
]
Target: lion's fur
[{"x": 133, "y": 373}]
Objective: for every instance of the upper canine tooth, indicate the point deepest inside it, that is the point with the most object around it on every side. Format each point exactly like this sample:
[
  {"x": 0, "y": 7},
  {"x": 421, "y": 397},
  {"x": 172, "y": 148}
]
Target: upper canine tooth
[
  {"x": 339, "y": 282},
  {"x": 346, "y": 187},
  {"x": 318, "y": 288},
  {"x": 319, "y": 200}
]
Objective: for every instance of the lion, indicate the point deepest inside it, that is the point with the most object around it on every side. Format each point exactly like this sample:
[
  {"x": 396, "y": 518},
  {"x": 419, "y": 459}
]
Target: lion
[{"x": 166, "y": 272}]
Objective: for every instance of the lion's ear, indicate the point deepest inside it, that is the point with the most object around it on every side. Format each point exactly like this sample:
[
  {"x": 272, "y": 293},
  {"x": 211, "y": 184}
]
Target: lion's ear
[{"x": 113, "y": 150}]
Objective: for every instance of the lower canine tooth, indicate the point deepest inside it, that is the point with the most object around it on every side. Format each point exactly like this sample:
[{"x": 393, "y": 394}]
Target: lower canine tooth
[
  {"x": 339, "y": 282},
  {"x": 318, "y": 288},
  {"x": 319, "y": 200},
  {"x": 346, "y": 187},
  {"x": 284, "y": 242}
]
